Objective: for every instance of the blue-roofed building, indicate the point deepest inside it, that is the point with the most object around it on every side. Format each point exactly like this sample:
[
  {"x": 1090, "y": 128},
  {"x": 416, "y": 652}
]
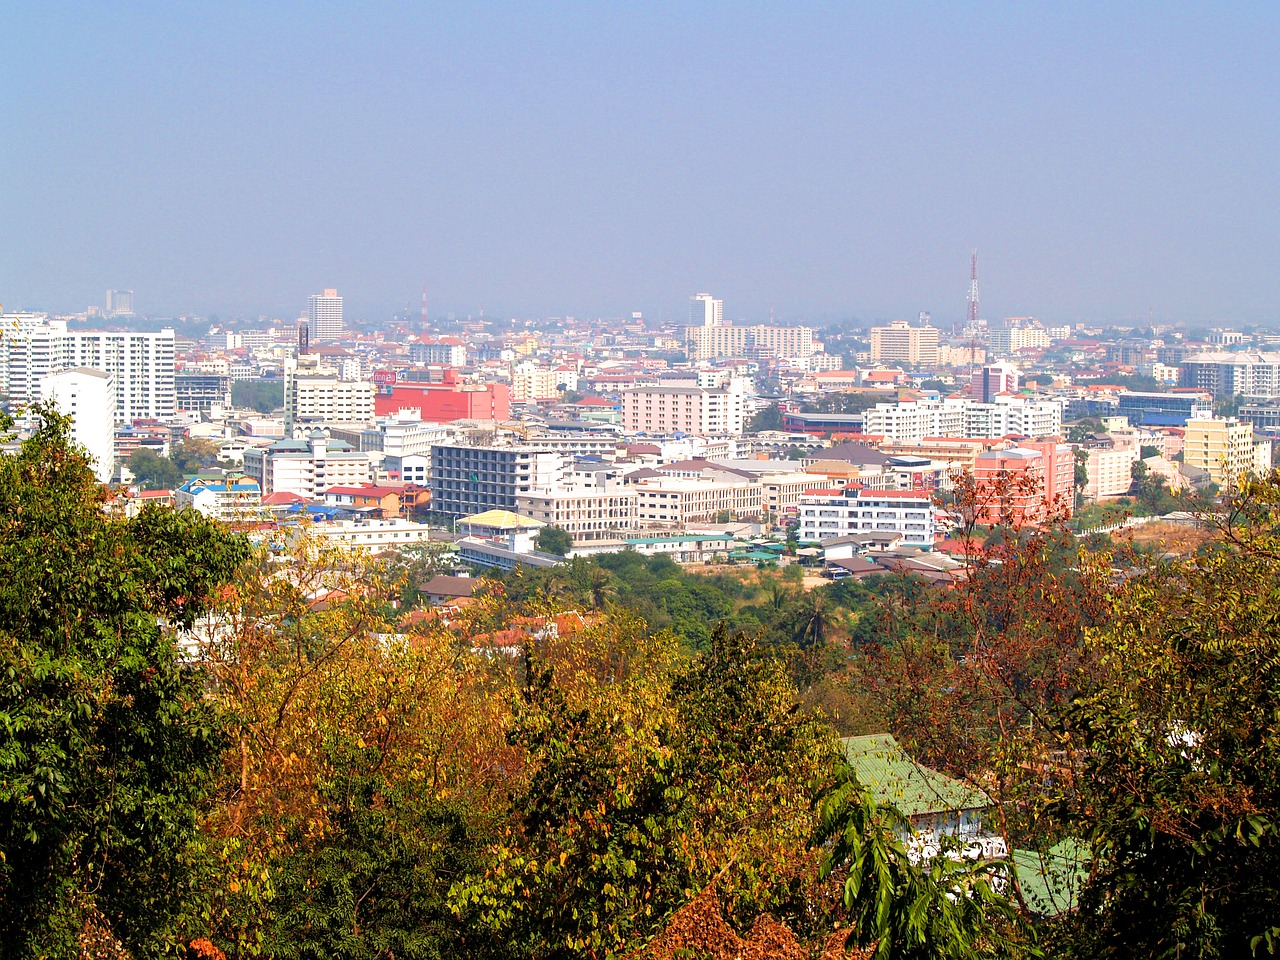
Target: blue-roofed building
[{"x": 233, "y": 499}]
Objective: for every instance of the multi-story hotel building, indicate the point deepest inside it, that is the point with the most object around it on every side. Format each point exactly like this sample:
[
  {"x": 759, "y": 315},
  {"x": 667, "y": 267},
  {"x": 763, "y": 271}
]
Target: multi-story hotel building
[
  {"x": 1023, "y": 484},
  {"x": 140, "y": 364},
  {"x": 467, "y": 480},
  {"x": 696, "y": 410},
  {"x": 911, "y": 421},
  {"x": 531, "y": 383},
  {"x": 88, "y": 397},
  {"x": 1226, "y": 448},
  {"x": 307, "y": 467},
  {"x": 827, "y": 513},
  {"x": 449, "y": 351},
  {"x": 680, "y": 501},
  {"x": 318, "y": 398},
  {"x": 1249, "y": 373},
  {"x": 324, "y": 316},
  {"x": 900, "y": 342},
  {"x": 592, "y": 514},
  {"x": 711, "y": 343}
]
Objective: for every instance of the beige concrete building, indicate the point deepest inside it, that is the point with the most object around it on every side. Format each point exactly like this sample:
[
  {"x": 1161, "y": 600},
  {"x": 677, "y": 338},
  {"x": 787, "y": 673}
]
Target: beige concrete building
[
  {"x": 696, "y": 410},
  {"x": 902, "y": 343},
  {"x": 530, "y": 383},
  {"x": 678, "y": 502},
  {"x": 780, "y": 492},
  {"x": 1110, "y": 471},
  {"x": 710, "y": 343},
  {"x": 964, "y": 356},
  {"x": 307, "y": 467},
  {"x": 585, "y": 514},
  {"x": 317, "y": 398},
  {"x": 1225, "y": 448}
]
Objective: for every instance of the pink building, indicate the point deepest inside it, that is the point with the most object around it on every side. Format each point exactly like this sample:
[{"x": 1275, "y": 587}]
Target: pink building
[
  {"x": 1026, "y": 484},
  {"x": 993, "y": 379}
]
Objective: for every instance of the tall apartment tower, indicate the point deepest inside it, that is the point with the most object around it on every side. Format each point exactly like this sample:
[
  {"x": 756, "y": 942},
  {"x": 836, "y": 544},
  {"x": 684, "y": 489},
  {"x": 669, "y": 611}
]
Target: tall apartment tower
[
  {"x": 706, "y": 311},
  {"x": 140, "y": 364},
  {"x": 324, "y": 316},
  {"x": 120, "y": 303},
  {"x": 902, "y": 343},
  {"x": 88, "y": 397},
  {"x": 993, "y": 379}
]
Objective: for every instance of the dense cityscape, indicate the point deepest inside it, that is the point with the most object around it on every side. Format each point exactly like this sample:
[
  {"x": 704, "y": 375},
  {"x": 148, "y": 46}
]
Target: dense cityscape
[{"x": 706, "y": 440}]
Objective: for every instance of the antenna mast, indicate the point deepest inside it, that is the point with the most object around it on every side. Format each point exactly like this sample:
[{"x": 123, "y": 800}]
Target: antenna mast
[
  {"x": 424, "y": 309},
  {"x": 972, "y": 319}
]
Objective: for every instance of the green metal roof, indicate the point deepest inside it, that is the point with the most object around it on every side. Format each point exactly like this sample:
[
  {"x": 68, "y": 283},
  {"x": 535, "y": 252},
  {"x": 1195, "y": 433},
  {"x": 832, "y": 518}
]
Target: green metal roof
[
  {"x": 894, "y": 778},
  {"x": 760, "y": 556},
  {"x": 1051, "y": 881}
]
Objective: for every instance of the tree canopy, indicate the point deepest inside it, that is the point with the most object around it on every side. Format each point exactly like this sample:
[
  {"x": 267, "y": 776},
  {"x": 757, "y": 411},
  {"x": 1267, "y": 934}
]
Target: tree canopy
[{"x": 107, "y": 743}]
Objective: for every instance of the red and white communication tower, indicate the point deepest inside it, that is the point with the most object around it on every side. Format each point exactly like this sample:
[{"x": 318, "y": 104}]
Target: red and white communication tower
[{"x": 424, "y": 308}]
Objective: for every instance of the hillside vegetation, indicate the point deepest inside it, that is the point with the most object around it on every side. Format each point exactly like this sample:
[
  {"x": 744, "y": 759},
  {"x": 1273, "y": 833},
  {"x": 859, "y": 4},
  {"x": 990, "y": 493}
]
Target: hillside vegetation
[{"x": 206, "y": 751}]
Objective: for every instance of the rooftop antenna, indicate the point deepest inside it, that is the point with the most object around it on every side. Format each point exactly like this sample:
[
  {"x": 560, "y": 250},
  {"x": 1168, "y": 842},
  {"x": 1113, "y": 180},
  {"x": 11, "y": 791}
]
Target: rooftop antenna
[{"x": 972, "y": 319}]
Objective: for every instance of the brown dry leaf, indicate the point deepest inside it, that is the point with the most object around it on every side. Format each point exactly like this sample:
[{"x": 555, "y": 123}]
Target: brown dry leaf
[{"x": 699, "y": 929}]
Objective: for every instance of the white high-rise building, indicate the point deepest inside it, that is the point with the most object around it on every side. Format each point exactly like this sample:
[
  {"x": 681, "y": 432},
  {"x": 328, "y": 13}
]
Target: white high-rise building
[
  {"x": 88, "y": 397},
  {"x": 141, "y": 365},
  {"x": 324, "y": 315},
  {"x": 706, "y": 311}
]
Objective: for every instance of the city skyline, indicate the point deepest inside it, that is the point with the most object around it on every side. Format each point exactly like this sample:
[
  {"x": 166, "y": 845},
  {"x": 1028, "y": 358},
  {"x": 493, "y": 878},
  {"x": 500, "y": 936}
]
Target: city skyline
[{"x": 819, "y": 163}]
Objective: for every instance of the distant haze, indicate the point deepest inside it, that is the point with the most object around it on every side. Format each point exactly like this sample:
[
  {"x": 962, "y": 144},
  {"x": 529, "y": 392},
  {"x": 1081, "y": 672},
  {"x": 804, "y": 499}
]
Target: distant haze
[{"x": 826, "y": 161}]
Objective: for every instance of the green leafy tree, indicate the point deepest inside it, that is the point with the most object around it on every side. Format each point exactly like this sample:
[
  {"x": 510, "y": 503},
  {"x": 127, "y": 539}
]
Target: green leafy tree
[
  {"x": 946, "y": 907},
  {"x": 770, "y": 418},
  {"x": 153, "y": 471},
  {"x": 1178, "y": 743},
  {"x": 751, "y": 761},
  {"x": 1077, "y": 431},
  {"x": 554, "y": 540},
  {"x": 596, "y": 861},
  {"x": 265, "y": 396},
  {"x": 1228, "y": 406},
  {"x": 194, "y": 454},
  {"x": 107, "y": 742},
  {"x": 376, "y": 883},
  {"x": 1081, "y": 475}
]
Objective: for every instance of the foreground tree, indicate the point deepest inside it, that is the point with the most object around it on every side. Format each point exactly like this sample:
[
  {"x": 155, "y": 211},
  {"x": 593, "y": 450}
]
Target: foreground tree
[
  {"x": 363, "y": 761},
  {"x": 107, "y": 743},
  {"x": 944, "y": 907},
  {"x": 1179, "y": 792}
]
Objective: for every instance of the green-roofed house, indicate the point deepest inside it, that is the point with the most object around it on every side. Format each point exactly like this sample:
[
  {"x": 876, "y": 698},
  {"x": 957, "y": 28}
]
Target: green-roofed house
[
  {"x": 1051, "y": 881},
  {"x": 932, "y": 801},
  {"x": 937, "y": 804}
]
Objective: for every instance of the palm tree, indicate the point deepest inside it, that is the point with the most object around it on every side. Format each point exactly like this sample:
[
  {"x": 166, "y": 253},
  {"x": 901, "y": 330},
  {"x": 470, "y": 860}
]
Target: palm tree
[
  {"x": 815, "y": 619},
  {"x": 779, "y": 595},
  {"x": 601, "y": 588}
]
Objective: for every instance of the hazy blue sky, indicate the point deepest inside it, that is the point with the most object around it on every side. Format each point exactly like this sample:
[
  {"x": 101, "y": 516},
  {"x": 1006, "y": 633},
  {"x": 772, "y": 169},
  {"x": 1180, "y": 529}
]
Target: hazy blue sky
[{"x": 826, "y": 160}]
